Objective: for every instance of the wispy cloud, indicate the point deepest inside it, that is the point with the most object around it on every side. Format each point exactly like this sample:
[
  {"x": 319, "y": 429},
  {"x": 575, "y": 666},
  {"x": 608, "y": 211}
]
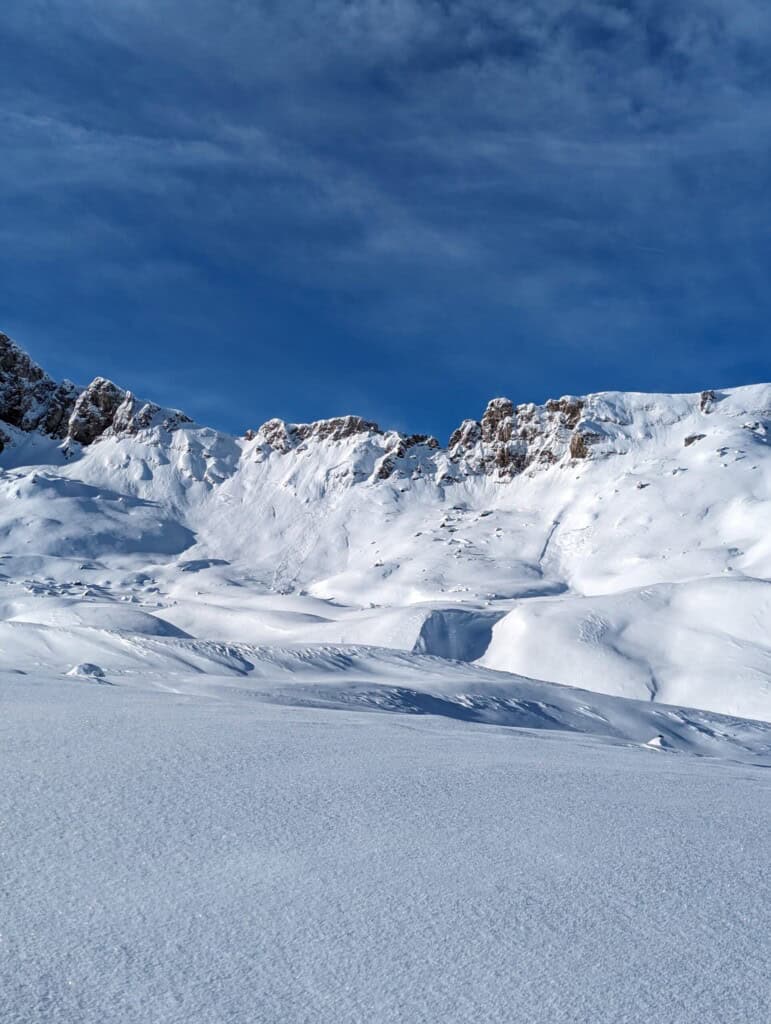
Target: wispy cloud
[{"x": 592, "y": 174}]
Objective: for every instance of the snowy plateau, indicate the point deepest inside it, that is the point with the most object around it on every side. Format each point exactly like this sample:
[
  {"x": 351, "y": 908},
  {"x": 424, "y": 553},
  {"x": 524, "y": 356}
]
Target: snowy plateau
[{"x": 327, "y": 723}]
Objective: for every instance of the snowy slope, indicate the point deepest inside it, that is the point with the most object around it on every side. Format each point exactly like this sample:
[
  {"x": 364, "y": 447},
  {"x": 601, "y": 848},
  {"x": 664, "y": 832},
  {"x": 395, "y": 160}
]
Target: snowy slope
[
  {"x": 282, "y": 731},
  {"x": 185, "y": 857},
  {"x": 617, "y": 542}
]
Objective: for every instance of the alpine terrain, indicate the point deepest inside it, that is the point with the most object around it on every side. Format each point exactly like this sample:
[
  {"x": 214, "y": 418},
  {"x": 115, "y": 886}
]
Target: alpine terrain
[{"x": 330, "y": 723}]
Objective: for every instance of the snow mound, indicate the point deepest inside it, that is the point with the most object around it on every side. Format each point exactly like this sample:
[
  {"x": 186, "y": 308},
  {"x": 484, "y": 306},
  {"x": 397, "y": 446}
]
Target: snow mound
[{"x": 87, "y": 670}]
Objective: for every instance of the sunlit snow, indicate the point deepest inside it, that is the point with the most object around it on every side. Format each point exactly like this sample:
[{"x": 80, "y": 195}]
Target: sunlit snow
[{"x": 284, "y": 740}]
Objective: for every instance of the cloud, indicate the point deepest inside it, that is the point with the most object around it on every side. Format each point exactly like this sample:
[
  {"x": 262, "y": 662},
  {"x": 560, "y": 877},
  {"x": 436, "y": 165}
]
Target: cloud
[{"x": 582, "y": 173}]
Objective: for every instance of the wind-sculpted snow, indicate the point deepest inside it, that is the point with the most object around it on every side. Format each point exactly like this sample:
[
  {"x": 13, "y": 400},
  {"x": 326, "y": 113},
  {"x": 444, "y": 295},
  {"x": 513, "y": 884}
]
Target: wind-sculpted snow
[
  {"x": 182, "y": 848},
  {"x": 615, "y": 541},
  {"x": 657, "y": 640},
  {"x": 131, "y": 649},
  {"x": 282, "y": 735}
]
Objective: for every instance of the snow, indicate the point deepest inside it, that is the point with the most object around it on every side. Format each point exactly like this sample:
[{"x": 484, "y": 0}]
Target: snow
[
  {"x": 282, "y": 740},
  {"x": 657, "y": 639},
  {"x": 642, "y": 571},
  {"x": 87, "y": 670},
  {"x": 177, "y": 856}
]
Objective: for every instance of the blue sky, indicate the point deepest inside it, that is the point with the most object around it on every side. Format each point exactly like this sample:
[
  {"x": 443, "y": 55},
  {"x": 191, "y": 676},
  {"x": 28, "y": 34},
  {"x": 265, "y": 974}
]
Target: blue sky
[{"x": 400, "y": 208}]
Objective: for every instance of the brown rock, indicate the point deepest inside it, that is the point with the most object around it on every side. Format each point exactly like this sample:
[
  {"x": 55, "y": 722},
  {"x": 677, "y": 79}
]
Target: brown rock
[
  {"x": 29, "y": 398},
  {"x": 570, "y": 409},
  {"x": 498, "y": 420},
  {"x": 581, "y": 443},
  {"x": 95, "y": 410}
]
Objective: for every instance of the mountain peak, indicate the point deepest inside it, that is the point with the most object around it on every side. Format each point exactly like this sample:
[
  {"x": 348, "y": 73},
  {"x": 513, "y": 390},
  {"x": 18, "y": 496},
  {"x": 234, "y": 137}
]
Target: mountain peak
[
  {"x": 509, "y": 439},
  {"x": 32, "y": 401},
  {"x": 282, "y": 436}
]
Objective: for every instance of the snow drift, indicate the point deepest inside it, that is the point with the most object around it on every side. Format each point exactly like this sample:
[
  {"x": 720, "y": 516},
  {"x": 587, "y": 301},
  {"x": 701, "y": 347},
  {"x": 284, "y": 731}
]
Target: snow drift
[{"x": 616, "y": 542}]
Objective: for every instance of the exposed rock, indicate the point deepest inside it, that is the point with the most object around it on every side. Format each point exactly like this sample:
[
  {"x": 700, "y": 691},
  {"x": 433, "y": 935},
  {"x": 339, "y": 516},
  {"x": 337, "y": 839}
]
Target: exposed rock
[
  {"x": 506, "y": 441},
  {"x": 414, "y": 439},
  {"x": 283, "y": 436},
  {"x": 465, "y": 437},
  {"x": 570, "y": 408},
  {"x": 32, "y": 401},
  {"x": 497, "y": 421},
  {"x": 707, "y": 401},
  {"x": 509, "y": 439},
  {"x": 399, "y": 448},
  {"x": 485, "y": 446},
  {"x": 60, "y": 405},
  {"x": 88, "y": 670},
  {"x": 761, "y": 429},
  {"x": 132, "y": 416},
  {"x": 95, "y": 410},
  {"x": 336, "y": 429},
  {"x": 29, "y": 398},
  {"x": 104, "y": 409},
  {"x": 276, "y": 435},
  {"x": 581, "y": 443}
]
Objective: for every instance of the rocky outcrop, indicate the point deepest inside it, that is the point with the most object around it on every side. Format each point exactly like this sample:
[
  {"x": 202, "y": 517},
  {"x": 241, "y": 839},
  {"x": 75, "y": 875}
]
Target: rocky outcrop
[
  {"x": 95, "y": 410},
  {"x": 581, "y": 443},
  {"x": 506, "y": 441},
  {"x": 131, "y": 416},
  {"x": 336, "y": 429},
  {"x": 569, "y": 409},
  {"x": 511, "y": 438},
  {"x": 708, "y": 400},
  {"x": 399, "y": 448},
  {"x": 105, "y": 409},
  {"x": 463, "y": 439},
  {"x": 497, "y": 422},
  {"x": 390, "y": 453},
  {"x": 29, "y": 398},
  {"x": 282, "y": 437}
]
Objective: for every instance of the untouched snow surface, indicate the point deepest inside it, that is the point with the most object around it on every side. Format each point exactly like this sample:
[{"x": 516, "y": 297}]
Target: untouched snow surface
[{"x": 197, "y": 854}]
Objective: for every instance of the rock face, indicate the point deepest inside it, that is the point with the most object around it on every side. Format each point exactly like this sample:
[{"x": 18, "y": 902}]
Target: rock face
[
  {"x": 105, "y": 409},
  {"x": 282, "y": 437},
  {"x": 506, "y": 441},
  {"x": 692, "y": 439},
  {"x": 707, "y": 401},
  {"x": 30, "y": 400},
  {"x": 95, "y": 410},
  {"x": 394, "y": 454},
  {"x": 400, "y": 450},
  {"x": 509, "y": 439}
]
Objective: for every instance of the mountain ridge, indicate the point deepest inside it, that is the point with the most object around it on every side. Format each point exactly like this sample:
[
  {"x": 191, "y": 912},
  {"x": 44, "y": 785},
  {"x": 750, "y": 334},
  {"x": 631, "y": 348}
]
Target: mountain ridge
[
  {"x": 505, "y": 441},
  {"x": 616, "y": 542}
]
